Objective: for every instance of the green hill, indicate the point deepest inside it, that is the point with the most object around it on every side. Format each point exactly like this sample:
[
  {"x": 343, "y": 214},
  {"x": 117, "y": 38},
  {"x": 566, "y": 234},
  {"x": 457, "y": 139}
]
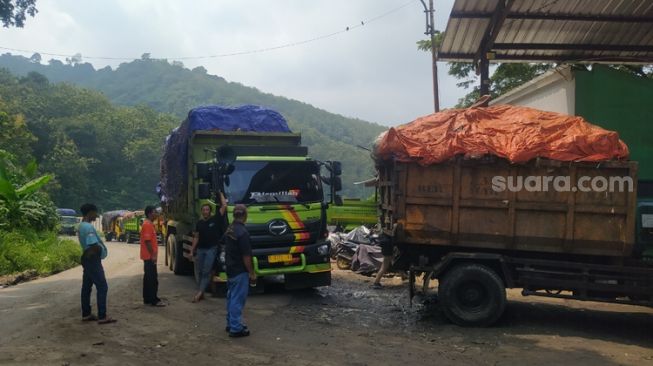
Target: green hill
[
  {"x": 171, "y": 88},
  {"x": 97, "y": 152}
]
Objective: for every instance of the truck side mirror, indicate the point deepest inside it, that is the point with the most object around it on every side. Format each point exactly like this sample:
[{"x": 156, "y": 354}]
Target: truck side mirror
[
  {"x": 336, "y": 168},
  {"x": 336, "y": 184},
  {"x": 203, "y": 171},
  {"x": 204, "y": 191}
]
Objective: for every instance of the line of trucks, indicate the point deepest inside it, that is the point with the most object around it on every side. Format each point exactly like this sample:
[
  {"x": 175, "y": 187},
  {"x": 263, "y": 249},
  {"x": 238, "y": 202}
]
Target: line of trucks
[
  {"x": 444, "y": 219},
  {"x": 125, "y": 226}
]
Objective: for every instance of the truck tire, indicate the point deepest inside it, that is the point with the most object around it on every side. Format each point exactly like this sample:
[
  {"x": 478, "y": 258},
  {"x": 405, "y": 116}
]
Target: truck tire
[
  {"x": 472, "y": 295},
  {"x": 177, "y": 260},
  {"x": 168, "y": 262},
  {"x": 109, "y": 236},
  {"x": 343, "y": 263}
]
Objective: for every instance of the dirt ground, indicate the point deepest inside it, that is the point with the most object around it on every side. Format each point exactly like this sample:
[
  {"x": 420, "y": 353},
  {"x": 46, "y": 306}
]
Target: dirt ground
[{"x": 345, "y": 324}]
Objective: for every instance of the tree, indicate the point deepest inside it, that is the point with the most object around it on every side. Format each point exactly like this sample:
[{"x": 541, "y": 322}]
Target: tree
[
  {"x": 505, "y": 77},
  {"x": 36, "y": 58},
  {"x": 146, "y": 56},
  {"x": 200, "y": 70},
  {"x": 71, "y": 184},
  {"x": 15, "y": 135},
  {"x": 13, "y": 12},
  {"x": 74, "y": 59}
]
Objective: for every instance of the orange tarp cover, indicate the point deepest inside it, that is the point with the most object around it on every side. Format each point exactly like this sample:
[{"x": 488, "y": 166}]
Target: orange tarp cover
[{"x": 518, "y": 134}]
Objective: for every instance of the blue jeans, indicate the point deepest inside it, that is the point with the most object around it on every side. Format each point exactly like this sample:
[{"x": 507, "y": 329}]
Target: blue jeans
[
  {"x": 204, "y": 260},
  {"x": 237, "y": 289},
  {"x": 94, "y": 275}
]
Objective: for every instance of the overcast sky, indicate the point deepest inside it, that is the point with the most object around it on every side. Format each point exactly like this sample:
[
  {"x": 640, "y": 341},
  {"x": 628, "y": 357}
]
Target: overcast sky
[{"x": 373, "y": 72}]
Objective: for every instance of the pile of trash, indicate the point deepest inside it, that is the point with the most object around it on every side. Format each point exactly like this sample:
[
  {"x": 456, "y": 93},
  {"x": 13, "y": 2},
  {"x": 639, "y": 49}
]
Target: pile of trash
[
  {"x": 518, "y": 134},
  {"x": 358, "y": 250}
]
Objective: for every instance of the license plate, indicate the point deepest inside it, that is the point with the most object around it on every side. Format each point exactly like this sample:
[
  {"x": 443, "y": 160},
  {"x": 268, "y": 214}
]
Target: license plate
[{"x": 278, "y": 258}]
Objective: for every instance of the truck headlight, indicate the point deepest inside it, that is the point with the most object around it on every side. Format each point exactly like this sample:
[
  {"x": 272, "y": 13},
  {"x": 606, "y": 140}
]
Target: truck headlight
[{"x": 323, "y": 250}]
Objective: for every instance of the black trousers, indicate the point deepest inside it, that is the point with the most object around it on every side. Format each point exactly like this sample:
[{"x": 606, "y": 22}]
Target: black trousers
[{"x": 150, "y": 283}]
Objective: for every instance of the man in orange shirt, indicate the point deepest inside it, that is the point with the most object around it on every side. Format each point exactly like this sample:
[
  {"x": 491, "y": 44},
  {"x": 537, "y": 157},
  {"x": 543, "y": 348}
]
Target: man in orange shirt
[{"x": 149, "y": 254}]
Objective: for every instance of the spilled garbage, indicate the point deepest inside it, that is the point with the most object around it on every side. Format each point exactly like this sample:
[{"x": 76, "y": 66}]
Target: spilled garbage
[{"x": 358, "y": 250}]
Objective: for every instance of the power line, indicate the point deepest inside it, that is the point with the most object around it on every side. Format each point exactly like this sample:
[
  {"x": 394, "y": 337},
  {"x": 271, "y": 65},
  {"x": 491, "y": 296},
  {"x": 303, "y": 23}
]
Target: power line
[{"x": 230, "y": 54}]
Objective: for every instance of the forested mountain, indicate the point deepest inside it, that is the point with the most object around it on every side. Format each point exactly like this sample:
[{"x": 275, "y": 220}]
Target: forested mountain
[
  {"x": 97, "y": 152},
  {"x": 118, "y": 147}
]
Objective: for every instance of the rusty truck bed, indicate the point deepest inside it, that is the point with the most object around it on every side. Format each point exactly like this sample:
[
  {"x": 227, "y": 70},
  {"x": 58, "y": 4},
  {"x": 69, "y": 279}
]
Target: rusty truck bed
[{"x": 455, "y": 204}]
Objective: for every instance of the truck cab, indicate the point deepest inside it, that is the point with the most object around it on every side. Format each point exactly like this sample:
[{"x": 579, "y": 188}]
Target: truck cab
[
  {"x": 68, "y": 221},
  {"x": 282, "y": 187},
  {"x": 286, "y": 217}
]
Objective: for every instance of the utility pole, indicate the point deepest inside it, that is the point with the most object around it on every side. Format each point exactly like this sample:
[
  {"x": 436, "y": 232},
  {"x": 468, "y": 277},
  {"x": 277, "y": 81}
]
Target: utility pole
[{"x": 430, "y": 30}]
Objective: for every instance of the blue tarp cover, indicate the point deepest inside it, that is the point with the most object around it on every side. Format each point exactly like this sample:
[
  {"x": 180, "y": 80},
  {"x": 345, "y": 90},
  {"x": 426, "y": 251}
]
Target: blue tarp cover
[
  {"x": 245, "y": 118},
  {"x": 249, "y": 118},
  {"x": 66, "y": 212}
]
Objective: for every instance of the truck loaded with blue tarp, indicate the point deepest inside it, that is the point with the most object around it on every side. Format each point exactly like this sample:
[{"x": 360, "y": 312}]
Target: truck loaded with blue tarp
[
  {"x": 68, "y": 221},
  {"x": 250, "y": 154}
]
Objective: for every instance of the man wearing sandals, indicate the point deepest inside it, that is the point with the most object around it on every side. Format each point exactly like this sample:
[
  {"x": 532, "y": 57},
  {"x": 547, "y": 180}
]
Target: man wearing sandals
[
  {"x": 149, "y": 255},
  {"x": 93, "y": 251},
  {"x": 204, "y": 251}
]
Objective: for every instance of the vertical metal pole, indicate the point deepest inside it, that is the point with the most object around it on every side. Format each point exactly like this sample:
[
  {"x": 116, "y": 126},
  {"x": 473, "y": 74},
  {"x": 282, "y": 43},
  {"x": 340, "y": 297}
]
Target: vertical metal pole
[
  {"x": 484, "y": 65},
  {"x": 434, "y": 58}
]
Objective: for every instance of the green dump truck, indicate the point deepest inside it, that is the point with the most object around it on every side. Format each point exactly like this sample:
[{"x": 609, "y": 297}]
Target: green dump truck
[
  {"x": 269, "y": 171},
  {"x": 132, "y": 226},
  {"x": 352, "y": 213}
]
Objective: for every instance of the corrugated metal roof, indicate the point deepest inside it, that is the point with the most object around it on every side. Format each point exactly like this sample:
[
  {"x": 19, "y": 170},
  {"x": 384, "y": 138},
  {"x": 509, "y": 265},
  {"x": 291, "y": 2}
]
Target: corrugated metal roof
[{"x": 551, "y": 30}]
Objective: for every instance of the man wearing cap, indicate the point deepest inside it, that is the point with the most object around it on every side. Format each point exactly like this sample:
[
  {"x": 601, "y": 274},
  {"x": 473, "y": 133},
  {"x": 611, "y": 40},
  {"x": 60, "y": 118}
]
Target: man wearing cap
[{"x": 240, "y": 272}]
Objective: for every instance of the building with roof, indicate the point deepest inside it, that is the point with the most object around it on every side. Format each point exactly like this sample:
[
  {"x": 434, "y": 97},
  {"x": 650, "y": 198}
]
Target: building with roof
[{"x": 560, "y": 31}]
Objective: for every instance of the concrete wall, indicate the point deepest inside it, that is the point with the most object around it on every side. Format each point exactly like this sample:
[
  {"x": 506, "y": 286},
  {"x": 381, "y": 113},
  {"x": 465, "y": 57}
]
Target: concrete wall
[{"x": 554, "y": 92}]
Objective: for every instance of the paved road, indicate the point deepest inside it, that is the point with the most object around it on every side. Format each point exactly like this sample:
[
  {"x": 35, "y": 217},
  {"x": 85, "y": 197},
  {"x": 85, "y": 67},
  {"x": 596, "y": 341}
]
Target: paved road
[{"x": 346, "y": 324}]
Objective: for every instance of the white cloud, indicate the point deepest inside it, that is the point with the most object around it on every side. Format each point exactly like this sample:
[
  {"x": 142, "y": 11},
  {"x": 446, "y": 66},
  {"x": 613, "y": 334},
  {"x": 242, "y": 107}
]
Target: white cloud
[{"x": 373, "y": 72}]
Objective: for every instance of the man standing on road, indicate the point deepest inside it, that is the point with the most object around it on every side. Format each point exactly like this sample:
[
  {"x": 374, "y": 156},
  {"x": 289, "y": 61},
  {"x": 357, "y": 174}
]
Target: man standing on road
[
  {"x": 149, "y": 255},
  {"x": 93, "y": 251},
  {"x": 238, "y": 252},
  {"x": 204, "y": 251}
]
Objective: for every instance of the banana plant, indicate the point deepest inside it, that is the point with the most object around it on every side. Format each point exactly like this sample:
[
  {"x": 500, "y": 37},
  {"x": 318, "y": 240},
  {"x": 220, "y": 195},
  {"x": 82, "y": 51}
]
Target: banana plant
[{"x": 17, "y": 208}]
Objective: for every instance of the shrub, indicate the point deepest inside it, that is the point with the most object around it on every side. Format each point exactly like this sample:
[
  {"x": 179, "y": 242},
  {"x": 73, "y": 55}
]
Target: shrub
[
  {"x": 44, "y": 252},
  {"x": 22, "y": 206}
]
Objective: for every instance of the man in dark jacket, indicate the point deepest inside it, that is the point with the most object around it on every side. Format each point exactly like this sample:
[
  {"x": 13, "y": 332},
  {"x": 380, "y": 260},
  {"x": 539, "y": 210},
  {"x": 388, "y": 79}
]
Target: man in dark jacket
[{"x": 238, "y": 253}]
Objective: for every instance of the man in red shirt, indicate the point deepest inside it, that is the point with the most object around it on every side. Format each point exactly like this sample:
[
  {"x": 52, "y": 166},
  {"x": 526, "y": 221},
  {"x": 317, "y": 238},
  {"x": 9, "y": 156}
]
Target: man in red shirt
[{"x": 149, "y": 254}]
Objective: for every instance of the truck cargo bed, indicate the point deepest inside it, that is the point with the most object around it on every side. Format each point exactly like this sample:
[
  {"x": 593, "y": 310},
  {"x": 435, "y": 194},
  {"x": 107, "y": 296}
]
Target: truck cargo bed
[{"x": 455, "y": 204}]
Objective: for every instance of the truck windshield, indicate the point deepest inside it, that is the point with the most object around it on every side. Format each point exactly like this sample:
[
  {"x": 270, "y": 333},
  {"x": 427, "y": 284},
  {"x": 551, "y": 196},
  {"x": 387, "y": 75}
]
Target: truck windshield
[
  {"x": 68, "y": 220},
  {"x": 275, "y": 182}
]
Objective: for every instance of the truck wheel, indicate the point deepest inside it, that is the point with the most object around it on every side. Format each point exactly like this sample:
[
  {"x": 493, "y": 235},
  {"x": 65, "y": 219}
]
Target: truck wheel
[
  {"x": 472, "y": 295},
  {"x": 179, "y": 266},
  {"x": 109, "y": 237},
  {"x": 167, "y": 252},
  {"x": 343, "y": 263}
]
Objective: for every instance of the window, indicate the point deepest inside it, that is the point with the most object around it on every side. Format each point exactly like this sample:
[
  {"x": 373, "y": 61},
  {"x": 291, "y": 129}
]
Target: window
[{"x": 275, "y": 182}]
